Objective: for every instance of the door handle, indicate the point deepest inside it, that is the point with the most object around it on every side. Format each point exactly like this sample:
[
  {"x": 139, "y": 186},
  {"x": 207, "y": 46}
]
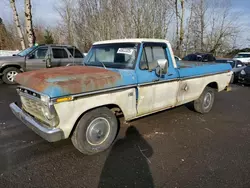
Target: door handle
[{"x": 170, "y": 74}]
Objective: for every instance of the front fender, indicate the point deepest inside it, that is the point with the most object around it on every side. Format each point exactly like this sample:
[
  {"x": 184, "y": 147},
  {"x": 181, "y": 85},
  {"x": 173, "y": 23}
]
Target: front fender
[{"x": 69, "y": 112}]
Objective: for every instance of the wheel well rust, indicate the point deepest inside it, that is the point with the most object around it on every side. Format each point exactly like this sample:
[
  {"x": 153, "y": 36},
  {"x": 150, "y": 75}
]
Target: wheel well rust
[{"x": 113, "y": 107}]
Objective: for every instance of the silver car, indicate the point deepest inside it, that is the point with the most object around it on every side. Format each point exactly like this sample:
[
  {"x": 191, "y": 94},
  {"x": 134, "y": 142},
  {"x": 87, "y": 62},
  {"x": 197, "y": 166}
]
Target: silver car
[{"x": 237, "y": 66}]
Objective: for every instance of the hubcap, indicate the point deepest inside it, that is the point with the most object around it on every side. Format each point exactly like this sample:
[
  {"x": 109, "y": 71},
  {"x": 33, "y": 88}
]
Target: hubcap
[
  {"x": 11, "y": 75},
  {"x": 207, "y": 100},
  {"x": 98, "y": 131}
]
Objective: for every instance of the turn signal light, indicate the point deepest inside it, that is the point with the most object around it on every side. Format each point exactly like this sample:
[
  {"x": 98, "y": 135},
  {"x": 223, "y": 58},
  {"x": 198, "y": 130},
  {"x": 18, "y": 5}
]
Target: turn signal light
[{"x": 64, "y": 99}]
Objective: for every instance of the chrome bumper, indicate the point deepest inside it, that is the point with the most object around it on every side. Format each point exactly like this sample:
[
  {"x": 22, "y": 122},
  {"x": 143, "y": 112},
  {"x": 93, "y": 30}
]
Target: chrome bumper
[{"x": 49, "y": 134}]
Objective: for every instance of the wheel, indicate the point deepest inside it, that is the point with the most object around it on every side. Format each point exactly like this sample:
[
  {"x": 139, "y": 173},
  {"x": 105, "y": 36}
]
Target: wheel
[
  {"x": 205, "y": 102},
  {"x": 95, "y": 132},
  {"x": 9, "y": 75},
  {"x": 232, "y": 79}
]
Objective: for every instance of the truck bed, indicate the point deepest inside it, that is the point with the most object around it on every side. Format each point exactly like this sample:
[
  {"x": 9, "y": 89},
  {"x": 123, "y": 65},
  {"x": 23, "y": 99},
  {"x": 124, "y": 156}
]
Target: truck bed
[{"x": 192, "y": 68}]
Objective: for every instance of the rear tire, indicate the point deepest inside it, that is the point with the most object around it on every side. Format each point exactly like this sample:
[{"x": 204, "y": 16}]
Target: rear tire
[
  {"x": 95, "y": 132},
  {"x": 205, "y": 102},
  {"x": 9, "y": 75}
]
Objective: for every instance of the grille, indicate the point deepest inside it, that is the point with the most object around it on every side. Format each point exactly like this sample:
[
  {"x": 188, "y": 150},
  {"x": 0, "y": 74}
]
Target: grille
[{"x": 33, "y": 107}]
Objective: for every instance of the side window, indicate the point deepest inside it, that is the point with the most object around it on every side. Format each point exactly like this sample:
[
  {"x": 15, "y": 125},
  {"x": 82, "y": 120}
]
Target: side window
[
  {"x": 159, "y": 53},
  {"x": 40, "y": 53},
  {"x": 239, "y": 64},
  {"x": 59, "y": 53},
  {"x": 150, "y": 56},
  {"x": 75, "y": 51}
]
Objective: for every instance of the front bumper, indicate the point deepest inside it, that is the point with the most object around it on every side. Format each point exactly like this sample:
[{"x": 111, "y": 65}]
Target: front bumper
[
  {"x": 244, "y": 80},
  {"x": 49, "y": 134}
]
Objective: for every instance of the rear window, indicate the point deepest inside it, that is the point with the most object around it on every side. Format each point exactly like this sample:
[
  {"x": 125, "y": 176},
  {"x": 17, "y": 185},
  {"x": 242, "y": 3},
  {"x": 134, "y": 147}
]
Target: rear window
[{"x": 75, "y": 52}]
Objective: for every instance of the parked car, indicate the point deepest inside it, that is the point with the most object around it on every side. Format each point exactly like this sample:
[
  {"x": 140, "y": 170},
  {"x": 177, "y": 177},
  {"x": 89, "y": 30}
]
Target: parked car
[
  {"x": 202, "y": 57},
  {"x": 244, "y": 76},
  {"x": 244, "y": 57},
  {"x": 129, "y": 77},
  {"x": 237, "y": 66},
  {"x": 38, "y": 57}
]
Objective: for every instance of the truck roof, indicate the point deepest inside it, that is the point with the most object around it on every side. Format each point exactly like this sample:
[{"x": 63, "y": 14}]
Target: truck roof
[{"x": 132, "y": 40}]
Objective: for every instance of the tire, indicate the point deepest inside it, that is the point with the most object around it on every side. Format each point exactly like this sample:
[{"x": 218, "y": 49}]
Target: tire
[
  {"x": 7, "y": 78},
  {"x": 205, "y": 102},
  {"x": 91, "y": 137}
]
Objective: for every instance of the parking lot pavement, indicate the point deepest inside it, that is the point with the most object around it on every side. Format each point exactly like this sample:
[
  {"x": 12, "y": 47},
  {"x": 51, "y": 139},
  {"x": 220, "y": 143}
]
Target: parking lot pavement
[{"x": 174, "y": 148}]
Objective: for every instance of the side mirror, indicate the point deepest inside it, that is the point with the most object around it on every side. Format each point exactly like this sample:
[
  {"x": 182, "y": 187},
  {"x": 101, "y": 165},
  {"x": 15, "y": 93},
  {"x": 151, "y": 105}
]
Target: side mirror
[
  {"x": 162, "y": 67},
  {"x": 31, "y": 56}
]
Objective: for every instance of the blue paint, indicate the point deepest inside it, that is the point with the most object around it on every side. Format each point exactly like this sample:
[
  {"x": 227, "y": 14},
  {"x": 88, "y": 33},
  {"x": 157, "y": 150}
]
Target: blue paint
[
  {"x": 54, "y": 91},
  {"x": 203, "y": 69}
]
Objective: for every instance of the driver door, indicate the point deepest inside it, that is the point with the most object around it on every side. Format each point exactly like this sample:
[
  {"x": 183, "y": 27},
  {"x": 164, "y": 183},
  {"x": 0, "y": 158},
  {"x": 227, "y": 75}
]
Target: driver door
[
  {"x": 155, "y": 93},
  {"x": 37, "y": 59}
]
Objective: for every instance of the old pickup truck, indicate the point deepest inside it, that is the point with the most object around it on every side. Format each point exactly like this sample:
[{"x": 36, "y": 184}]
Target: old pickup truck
[{"x": 129, "y": 77}]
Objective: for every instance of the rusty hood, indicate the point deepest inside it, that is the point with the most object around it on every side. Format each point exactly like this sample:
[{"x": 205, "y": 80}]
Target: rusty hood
[{"x": 62, "y": 81}]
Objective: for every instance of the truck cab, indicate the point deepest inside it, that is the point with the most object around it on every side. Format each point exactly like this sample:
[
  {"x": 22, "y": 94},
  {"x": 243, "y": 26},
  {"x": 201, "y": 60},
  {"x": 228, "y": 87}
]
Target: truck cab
[{"x": 132, "y": 77}]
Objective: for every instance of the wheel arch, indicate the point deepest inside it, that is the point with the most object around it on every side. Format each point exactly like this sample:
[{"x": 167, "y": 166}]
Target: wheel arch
[
  {"x": 116, "y": 109},
  {"x": 213, "y": 85},
  {"x": 8, "y": 66}
]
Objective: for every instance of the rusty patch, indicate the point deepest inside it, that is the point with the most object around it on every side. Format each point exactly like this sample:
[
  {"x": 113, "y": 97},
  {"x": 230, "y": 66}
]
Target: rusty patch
[{"x": 70, "y": 80}]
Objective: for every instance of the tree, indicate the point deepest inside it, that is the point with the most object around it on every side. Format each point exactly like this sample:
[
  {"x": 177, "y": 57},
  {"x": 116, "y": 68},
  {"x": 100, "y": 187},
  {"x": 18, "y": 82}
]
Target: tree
[
  {"x": 17, "y": 23},
  {"x": 28, "y": 23},
  {"x": 3, "y": 36},
  {"x": 48, "y": 38}
]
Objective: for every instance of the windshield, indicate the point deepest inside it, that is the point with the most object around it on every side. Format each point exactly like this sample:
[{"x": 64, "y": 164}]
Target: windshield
[
  {"x": 116, "y": 55},
  {"x": 26, "y": 51},
  {"x": 242, "y": 56}
]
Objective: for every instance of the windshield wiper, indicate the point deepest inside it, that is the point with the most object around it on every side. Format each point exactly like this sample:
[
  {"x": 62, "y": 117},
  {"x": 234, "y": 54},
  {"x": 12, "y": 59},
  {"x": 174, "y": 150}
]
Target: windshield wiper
[{"x": 102, "y": 64}]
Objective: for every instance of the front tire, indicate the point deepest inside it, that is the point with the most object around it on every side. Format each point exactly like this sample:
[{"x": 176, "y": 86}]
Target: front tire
[
  {"x": 9, "y": 75},
  {"x": 95, "y": 131},
  {"x": 205, "y": 102}
]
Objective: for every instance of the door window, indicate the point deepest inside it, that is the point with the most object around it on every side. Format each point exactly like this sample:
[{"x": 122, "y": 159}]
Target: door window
[
  {"x": 150, "y": 56},
  {"x": 75, "y": 52},
  {"x": 40, "y": 53},
  {"x": 59, "y": 53}
]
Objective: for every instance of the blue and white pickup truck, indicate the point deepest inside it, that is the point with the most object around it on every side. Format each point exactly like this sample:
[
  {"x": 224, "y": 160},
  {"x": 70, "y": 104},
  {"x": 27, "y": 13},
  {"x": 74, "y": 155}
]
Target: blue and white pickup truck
[{"x": 129, "y": 77}]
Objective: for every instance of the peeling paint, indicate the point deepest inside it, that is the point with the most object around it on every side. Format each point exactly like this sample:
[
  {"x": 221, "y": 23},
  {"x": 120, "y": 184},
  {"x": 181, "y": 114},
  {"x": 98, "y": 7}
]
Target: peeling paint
[{"x": 69, "y": 80}]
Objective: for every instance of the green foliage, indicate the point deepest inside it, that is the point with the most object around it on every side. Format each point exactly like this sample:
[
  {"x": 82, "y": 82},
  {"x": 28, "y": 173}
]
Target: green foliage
[{"x": 48, "y": 38}]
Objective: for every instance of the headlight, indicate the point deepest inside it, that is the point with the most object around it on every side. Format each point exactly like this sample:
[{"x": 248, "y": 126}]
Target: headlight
[
  {"x": 243, "y": 72},
  {"x": 50, "y": 114},
  {"x": 47, "y": 113}
]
